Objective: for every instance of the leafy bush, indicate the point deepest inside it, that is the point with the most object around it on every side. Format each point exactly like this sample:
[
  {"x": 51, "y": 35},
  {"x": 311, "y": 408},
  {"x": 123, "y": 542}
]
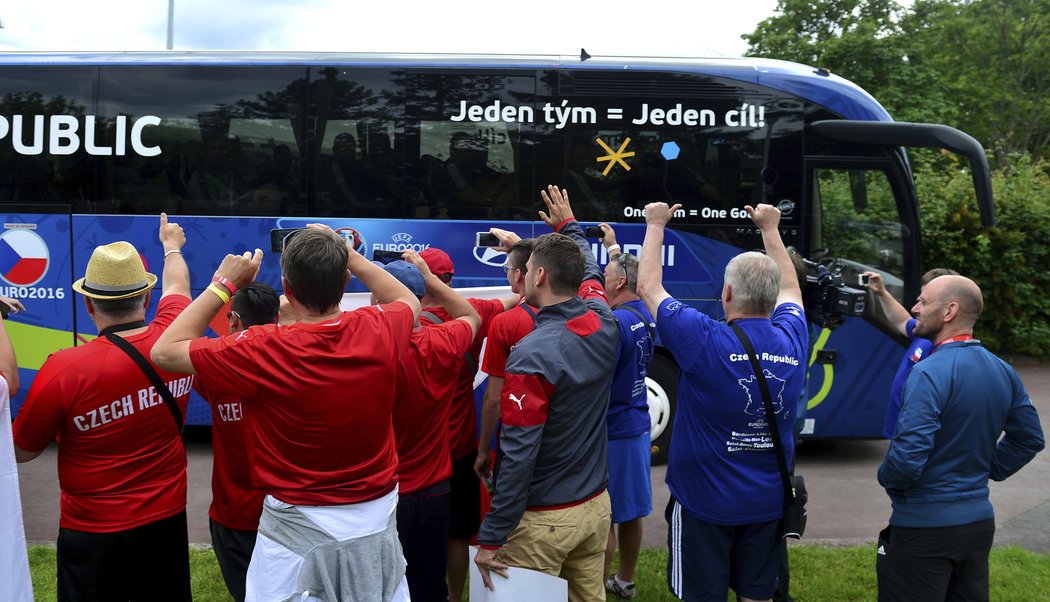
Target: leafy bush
[{"x": 1009, "y": 260}]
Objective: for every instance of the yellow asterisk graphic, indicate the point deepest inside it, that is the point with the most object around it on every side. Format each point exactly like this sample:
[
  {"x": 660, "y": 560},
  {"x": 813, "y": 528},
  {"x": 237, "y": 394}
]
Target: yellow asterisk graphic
[{"x": 614, "y": 157}]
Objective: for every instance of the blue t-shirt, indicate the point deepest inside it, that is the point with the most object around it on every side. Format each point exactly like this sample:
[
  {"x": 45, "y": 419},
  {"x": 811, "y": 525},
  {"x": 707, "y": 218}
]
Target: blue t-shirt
[
  {"x": 629, "y": 398},
  {"x": 918, "y": 349},
  {"x": 722, "y": 466}
]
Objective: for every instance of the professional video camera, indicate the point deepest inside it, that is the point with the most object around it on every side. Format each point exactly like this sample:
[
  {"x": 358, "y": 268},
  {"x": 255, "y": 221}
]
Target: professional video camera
[{"x": 828, "y": 299}]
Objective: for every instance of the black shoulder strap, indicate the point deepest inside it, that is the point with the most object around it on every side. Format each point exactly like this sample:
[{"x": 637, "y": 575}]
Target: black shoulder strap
[
  {"x": 532, "y": 312},
  {"x": 648, "y": 323},
  {"x": 767, "y": 400},
  {"x": 468, "y": 356},
  {"x": 151, "y": 374}
]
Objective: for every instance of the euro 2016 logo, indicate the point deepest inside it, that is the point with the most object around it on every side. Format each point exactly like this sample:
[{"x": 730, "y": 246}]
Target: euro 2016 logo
[{"x": 355, "y": 238}]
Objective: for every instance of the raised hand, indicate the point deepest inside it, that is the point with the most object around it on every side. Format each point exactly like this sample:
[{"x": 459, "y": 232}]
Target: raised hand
[
  {"x": 557, "y": 201},
  {"x": 171, "y": 235},
  {"x": 240, "y": 269},
  {"x": 659, "y": 213}
]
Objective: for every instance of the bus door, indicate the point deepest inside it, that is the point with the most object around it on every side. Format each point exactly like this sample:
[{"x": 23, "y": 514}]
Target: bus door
[
  {"x": 863, "y": 215},
  {"x": 860, "y": 219},
  {"x": 36, "y": 268}
]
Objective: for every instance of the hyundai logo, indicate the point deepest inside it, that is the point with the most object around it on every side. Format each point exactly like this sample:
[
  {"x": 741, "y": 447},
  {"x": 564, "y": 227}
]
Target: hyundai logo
[{"x": 489, "y": 256}]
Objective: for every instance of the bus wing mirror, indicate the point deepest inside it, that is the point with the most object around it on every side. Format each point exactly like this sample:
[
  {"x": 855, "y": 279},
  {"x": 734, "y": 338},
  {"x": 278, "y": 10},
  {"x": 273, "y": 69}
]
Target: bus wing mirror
[{"x": 928, "y": 135}]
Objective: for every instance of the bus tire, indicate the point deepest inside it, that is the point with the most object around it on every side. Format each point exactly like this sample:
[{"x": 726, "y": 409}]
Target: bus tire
[{"x": 662, "y": 384}]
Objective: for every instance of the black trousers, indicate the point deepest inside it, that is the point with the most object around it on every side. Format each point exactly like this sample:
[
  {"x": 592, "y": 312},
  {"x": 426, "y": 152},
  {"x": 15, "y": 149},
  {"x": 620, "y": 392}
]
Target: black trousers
[
  {"x": 944, "y": 563},
  {"x": 147, "y": 563},
  {"x": 233, "y": 549},
  {"x": 422, "y": 527}
]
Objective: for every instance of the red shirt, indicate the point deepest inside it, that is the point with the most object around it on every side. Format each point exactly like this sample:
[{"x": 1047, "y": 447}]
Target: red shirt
[
  {"x": 427, "y": 380},
  {"x": 462, "y": 420},
  {"x": 505, "y": 331},
  {"x": 319, "y": 399},
  {"x": 235, "y": 503},
  {"x": 121, "y": 463}
]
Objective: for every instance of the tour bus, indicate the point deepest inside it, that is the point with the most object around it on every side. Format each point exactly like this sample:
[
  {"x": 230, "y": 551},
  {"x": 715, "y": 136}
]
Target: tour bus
[{"x": 416, "y": 151}]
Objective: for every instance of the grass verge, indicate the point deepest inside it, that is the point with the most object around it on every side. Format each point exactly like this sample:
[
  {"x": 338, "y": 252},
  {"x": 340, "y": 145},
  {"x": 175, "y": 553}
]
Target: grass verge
[{"x": 817, "y": 573}]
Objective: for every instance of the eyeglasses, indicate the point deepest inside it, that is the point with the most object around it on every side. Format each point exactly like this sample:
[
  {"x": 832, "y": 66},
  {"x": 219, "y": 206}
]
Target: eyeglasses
[
  {"x": 231, "y": 313},
  {"x": 507, "y": 267}
]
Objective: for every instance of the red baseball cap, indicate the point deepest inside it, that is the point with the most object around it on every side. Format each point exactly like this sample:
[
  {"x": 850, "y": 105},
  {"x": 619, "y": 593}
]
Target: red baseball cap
[{"x": 438, "y": 261}]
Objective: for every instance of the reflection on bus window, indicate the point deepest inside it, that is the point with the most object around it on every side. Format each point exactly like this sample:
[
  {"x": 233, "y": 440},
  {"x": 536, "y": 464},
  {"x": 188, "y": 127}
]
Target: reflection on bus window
[
  {"x": 470, "y": 178},
  {"x": 467, "y": 169},
  {"x": 46, "y": 178},
  {"x": 355, "y": 170},
  {"x": 860, "y": 225}
]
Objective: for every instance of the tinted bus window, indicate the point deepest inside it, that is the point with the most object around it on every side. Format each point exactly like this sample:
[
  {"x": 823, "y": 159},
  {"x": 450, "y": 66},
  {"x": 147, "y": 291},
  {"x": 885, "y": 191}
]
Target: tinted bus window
[
  {"x": 30, "y": 169},
  {"x": 230, "y": 140},
  {"x": 356, "y": 146},
  {"x": 463, "y": 162},
  {"x": 860, "y": 226},
  {"x": 712, "y": 146}
]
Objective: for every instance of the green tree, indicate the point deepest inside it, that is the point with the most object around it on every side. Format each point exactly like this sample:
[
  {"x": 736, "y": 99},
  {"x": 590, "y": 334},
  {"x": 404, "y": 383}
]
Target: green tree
[
  {"x": 862, "y": 41},
  {"x": 993, "y": 56},
  {"x": 1007, "y": 260}
]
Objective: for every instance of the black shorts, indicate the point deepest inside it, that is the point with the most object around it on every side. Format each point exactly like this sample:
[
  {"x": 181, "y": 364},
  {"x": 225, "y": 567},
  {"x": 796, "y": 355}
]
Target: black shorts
[
  {"x": 151, "y": 562},
  {"x": 233, "y": 549},
  {"x": 465, "y": 503},
  {"x": 705, "y": 561},
  {"x": 942, "y": 563},
  {"x": 422, "y": 527}
]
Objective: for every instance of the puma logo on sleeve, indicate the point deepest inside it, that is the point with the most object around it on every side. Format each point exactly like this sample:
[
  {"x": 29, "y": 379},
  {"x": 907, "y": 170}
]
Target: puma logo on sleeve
[{"x": 516, "y": 400}]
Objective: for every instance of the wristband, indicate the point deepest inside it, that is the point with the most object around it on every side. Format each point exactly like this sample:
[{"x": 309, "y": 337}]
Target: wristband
[
  {"x": 219, "y": 293},
  {"x": 225, "y": 282},
  {"x": 166, "y": 253},
  {"x": 613, "y": 246}
]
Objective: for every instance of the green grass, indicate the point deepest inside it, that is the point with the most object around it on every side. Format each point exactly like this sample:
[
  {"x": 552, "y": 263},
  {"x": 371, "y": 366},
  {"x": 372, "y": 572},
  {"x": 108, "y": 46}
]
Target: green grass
[{"x": 817, "y": 573}]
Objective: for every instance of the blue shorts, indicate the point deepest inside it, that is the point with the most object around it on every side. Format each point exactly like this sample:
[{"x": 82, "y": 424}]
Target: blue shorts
[
  {"x": 705, "y": 561},
  {"x": 630, "y": 490}
]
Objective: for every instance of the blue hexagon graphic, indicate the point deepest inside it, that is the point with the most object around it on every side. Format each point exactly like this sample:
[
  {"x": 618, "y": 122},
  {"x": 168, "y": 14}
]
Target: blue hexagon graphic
[{"x": 670, "y": 150}]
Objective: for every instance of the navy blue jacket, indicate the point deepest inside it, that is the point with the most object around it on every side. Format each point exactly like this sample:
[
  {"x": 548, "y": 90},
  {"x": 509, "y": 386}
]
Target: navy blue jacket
[{"x": 957, "y": 403}]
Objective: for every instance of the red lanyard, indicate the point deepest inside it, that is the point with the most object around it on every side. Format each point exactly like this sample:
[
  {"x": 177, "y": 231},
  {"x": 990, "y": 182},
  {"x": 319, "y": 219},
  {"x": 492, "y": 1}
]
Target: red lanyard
[{"x": 955, "y": 339}]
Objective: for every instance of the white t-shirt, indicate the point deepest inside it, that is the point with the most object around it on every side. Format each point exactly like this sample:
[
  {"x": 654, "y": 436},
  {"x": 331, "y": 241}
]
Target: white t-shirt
[{"x": 14, "y": 561}]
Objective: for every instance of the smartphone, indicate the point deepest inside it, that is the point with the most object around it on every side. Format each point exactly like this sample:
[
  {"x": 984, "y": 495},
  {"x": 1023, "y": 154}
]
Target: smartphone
[
  {"x": 863, "y": 279},
  {"x": 594, "y": 232},
  {"x": 279, "y": 235},
  {"x": 486, "y": 239},
  {"x": 385, "y": 257}
]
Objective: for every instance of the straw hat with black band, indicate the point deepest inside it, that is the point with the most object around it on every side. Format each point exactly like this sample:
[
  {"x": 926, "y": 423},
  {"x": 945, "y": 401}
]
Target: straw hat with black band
[{"x": 115, "y": 271}]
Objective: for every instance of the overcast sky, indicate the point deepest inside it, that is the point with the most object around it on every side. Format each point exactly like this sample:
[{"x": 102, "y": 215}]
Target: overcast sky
[{"x": 612, "y": 27}]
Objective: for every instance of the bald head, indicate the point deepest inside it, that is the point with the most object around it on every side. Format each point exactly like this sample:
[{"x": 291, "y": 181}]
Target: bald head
[
  {"x": 966, "y": 293},
  {"x": 948, "y": 305}
]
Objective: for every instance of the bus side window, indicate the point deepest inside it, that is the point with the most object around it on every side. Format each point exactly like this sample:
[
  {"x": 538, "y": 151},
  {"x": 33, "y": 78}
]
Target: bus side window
[{"x": 860, "y": 226}]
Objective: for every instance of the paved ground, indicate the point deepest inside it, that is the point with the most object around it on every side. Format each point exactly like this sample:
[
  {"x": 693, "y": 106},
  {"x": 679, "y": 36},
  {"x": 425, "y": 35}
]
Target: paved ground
[{"x": 846, "y": 506}]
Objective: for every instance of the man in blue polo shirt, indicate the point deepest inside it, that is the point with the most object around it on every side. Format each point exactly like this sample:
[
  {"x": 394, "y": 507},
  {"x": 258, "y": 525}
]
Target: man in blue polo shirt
[
  {"x": 726, "y": 489},
  {"x": 901, "y": 321}
]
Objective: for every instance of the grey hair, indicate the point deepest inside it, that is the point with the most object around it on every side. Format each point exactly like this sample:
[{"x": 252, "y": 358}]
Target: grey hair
[{"x": 755, "y": 280}]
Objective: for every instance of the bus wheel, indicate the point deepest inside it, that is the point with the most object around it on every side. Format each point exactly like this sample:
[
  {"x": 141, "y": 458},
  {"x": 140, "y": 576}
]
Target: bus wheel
[{"x": 662, "y": 383}]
